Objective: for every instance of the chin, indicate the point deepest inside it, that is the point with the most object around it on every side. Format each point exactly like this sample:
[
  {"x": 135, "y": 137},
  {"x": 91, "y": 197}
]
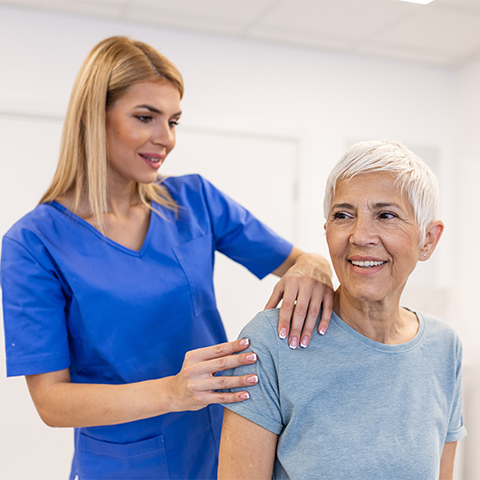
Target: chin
[{"x": 147, "y": 180}]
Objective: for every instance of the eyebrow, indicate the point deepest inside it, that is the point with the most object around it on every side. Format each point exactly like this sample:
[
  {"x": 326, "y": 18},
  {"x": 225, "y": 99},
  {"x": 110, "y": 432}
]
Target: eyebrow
[
  {"x": 375, "y": 205},
  {"x": 342, "y": 205},
  {"x": 156, "y": 110}
]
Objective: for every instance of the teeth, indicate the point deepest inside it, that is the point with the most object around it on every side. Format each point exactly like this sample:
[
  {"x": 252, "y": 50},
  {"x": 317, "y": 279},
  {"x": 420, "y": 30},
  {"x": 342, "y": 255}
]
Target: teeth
[
  {"x": 367, "y": 264},
  {"x": 155, "y": 160}
]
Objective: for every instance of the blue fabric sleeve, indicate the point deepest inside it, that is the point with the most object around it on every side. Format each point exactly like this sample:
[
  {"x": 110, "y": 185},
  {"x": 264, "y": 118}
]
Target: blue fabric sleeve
[
  {"x": 263, "y": 406},
  {"x": 242, "y": 237},
  {"x": 456, "y": 429},
  {"x": 34, "y": 313}
]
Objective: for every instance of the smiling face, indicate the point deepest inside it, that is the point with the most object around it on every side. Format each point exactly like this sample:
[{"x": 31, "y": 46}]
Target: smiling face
[
  {"x": 140, "y": 131},
  {"x": 373, "y": 238}
]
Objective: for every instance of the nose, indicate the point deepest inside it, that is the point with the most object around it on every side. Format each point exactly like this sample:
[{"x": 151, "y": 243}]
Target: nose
[
  {"x": 363, "y": 231},
  {"x": 164, "y": 136}
]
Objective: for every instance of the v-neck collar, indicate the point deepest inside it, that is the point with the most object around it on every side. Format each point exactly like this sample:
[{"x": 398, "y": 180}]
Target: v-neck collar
[{"x": 113, "y": 243}]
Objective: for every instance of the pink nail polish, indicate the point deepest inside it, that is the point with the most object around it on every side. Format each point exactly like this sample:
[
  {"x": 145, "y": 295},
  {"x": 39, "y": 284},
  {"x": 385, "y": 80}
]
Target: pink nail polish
[
  {"x": 244, "y": 342},
  {"x": 252, "y": 379},
  {"x": 293, "y": 343},
  {"x": 322, "y": 331},
  {"x": 251, "y": 357},
  {"x": 283, "y": 333},
  {"x": 245, "y": 396},
  {"x": 304, "y": 342}
]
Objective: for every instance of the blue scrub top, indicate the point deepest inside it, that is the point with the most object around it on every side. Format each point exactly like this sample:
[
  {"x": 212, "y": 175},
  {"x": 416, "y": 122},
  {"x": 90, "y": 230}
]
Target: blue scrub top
[{"x": 73, "y": 298}]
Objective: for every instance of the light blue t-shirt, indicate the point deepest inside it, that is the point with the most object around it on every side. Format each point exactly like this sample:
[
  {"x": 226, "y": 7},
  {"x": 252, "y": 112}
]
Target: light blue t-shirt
[{"x": 350, "y": 408}]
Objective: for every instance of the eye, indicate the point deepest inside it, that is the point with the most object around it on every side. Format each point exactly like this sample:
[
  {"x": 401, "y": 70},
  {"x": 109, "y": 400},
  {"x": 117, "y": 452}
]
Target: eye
[
  {"x": 387, "y": 215},
  {"x": 341, "y": 216},
  {"x": 144, "y": 118},
  {"x": 174, "y": 123}
]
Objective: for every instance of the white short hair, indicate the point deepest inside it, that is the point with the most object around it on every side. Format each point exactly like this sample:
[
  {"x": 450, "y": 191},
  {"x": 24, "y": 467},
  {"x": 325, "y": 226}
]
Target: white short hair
[{"x": 412, "y": 176}]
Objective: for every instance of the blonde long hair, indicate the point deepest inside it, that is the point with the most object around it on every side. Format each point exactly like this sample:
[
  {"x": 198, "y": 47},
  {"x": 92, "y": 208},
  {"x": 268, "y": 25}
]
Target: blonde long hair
[{"x": 112, "y": 66}]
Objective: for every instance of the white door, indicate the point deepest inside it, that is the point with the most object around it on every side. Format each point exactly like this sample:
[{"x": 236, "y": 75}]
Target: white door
[{"x": 259, "y": 172}]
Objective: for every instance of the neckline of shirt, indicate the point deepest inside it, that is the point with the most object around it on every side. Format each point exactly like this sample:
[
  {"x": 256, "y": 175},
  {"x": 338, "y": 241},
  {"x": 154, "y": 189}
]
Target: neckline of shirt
[
  {"x": 69, "y": 214},
  {"x": 387, "y": 348}
]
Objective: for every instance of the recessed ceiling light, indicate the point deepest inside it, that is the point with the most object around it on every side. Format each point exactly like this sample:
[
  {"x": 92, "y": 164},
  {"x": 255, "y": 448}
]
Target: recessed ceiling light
[{"x": 421, "y": 2}]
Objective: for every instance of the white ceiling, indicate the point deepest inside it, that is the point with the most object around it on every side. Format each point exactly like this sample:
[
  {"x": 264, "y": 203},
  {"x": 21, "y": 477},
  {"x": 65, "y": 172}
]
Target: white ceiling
[{"x": 444, "y": 33}]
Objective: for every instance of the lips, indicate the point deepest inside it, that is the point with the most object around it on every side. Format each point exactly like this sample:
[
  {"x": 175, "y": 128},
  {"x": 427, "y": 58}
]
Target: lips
[
  {"x": 151, "y": 158},
  {"x": 367, "y": 263}
]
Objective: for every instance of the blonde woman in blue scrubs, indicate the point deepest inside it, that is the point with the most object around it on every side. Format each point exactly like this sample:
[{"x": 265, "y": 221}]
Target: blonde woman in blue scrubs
[{"x": 108, "y": 296}]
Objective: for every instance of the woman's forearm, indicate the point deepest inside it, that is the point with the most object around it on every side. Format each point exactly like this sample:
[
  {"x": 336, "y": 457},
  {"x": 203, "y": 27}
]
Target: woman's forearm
[{"x": 62, "y": 403}]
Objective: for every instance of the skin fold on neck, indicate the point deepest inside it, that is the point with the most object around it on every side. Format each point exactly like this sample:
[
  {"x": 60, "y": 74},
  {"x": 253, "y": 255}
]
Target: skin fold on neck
[{"x": 382, "y": 321}]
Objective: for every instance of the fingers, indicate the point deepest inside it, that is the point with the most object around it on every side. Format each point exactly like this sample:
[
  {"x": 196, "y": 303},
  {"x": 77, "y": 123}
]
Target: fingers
[
  {"x": 300, "y": 310},
  {"x": 217, "y": 351},
  {"x": 211, "y": 367},
  {"x": 225, "y": 397},
  {"x": 305, "y": 314},
  {"x": 326, "y": 312},
  {"x": 197, "y": 383},
  {"x": 286, "y": 312}
]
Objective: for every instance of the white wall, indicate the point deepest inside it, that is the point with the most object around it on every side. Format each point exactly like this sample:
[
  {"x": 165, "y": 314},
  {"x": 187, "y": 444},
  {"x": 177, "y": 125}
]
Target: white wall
[
  {"x": 466, "y": 227},
  {"x": 322, "y": 102}
]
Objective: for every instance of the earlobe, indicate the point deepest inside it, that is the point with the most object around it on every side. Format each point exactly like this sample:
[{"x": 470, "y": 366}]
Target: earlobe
[{"x": 432, "y": 237}]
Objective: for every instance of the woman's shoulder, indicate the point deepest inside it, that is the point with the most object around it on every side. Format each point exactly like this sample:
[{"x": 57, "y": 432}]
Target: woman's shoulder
[
  {"x": 438, "y": 327},
  {"x": 262, "y": 329},
  {"x": 181, "y": 182},
  {"x": 41, "y": 217}
]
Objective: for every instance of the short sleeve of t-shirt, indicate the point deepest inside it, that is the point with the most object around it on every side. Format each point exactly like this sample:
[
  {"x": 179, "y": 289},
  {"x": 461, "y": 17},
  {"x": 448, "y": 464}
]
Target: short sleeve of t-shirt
[
  {"x": 34, "y": 297},
  {"x": 263, "y": 406},
  {"x": 241, "y": 236}
]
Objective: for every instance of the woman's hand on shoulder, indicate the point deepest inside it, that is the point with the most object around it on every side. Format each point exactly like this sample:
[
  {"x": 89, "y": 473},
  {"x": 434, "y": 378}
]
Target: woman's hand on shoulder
[
  {"x": 62, "y": 403},
  {"x": 305, "y": 287},
  {"x": 197, "y": 385}
]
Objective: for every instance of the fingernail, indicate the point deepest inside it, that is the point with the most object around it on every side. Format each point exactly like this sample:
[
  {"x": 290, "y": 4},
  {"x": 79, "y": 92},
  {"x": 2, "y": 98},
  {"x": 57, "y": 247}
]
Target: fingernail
[
  {"x": 251, "y": 357},
  {"x": 283, "y": 333},
  {"x": 252, "y": 379},
  {"x": 244, "y": 342},
  {"x": 245, "y": 396},
  {"x": 322, "y": 330},
  {"x": 304, "y": 342},
  {"x": 293, "y": 342}
]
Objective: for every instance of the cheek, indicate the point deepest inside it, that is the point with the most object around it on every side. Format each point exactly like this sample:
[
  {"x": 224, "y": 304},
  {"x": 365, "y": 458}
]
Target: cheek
[
  {"x": 335, "y": 242},
  {"x": 174, "y": 141}
]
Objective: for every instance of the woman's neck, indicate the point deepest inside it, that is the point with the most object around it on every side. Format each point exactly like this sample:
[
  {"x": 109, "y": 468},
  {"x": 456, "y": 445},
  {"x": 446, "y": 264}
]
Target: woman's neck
[{"x": 383, "y": 321}]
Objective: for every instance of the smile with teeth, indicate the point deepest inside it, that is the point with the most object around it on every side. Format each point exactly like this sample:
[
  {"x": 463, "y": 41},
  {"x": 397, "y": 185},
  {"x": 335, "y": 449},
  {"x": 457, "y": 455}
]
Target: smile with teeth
[
  {"x": 367, "y": 263},
  {"x": 150, "y": 159}
]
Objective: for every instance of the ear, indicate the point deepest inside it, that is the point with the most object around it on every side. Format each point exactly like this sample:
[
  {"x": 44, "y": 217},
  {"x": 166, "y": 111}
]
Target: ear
[{"x": 432, "y": 237}]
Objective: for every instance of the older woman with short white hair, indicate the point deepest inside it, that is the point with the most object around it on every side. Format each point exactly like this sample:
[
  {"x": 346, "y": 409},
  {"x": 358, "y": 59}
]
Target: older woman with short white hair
[{"x": 385, "y": 399}]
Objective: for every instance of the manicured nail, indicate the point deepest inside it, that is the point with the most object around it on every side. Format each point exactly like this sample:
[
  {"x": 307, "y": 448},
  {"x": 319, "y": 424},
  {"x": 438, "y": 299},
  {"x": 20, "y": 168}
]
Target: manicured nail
[
  {"x": 293, "y": 343},
  {"x": 304, "y": 342},
  {"x": 322, "y": 330},
  {"x": 245, "y": 396},
  {"x": 283, "y": 333},
  {"x": 244, "y": 342},
  {"x": 251, "y": 357},
  {"x": 252, "y": 379}
]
